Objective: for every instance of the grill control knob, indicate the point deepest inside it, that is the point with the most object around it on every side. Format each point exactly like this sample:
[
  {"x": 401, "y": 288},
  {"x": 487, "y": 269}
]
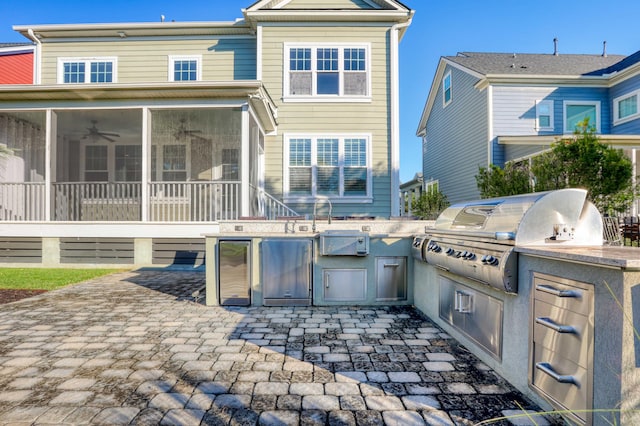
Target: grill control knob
[
  {"x": 434, "y": 247},
  {"x": 490, "y": 260},
  {"x": 450, "y": 251},
  {"x": 469, "y": 255}
]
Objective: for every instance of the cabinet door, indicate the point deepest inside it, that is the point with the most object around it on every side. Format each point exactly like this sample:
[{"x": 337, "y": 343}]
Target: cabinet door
[
  {"x": 344, "y": 285},
  {"x": 391, "y": 278}
]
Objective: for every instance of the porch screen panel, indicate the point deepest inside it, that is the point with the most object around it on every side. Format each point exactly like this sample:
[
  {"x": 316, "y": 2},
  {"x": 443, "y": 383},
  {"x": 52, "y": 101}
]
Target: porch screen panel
[
  {"x": 22, "y": 165},
  {"x": 98, "y": 162},
  {"x": 195, "y": 164}
]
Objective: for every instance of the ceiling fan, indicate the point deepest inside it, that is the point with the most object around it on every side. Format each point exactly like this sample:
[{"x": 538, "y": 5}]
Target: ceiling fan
[
  {"x": 182, "y": 132},
  {"x": 94, "y": 134}
]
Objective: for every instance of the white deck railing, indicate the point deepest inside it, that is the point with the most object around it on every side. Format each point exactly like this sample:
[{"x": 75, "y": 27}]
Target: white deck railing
[
  {"x": 270, "y": 207},
  {"x": 194, "y": 201},
  {"x": 123, "y": 202},
  {"x": 97, "y": 201},
  {"x": 22, "y": 201}
]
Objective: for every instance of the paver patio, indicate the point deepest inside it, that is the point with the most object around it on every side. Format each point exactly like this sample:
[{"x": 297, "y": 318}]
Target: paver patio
[{"x": 135, "y": 348}]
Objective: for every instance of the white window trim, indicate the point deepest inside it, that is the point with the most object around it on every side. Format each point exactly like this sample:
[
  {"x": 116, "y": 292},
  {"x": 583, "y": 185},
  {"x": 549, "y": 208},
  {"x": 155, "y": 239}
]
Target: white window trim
[
  {"x": 174, "y": 58},
  {"x": 551, "y": 125},
  {"x": 444, "y": 102},
  {"x": 87, "y": 68},
  {"x": 314, "y": 149},
  {"x": 616, "y": 108},
  {"x": 287, "y": 97},
  {"x": 564, "y": 114}
]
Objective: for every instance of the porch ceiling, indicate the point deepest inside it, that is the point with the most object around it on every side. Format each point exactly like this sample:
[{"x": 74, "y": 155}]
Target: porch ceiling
[{"x": 250, "y": 91}]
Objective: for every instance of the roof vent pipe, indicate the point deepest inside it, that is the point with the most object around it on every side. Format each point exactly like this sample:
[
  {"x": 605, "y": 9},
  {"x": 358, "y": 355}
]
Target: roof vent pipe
[
  {"x": 555, "y": 46},
  {"x": 604, "y": 49}
]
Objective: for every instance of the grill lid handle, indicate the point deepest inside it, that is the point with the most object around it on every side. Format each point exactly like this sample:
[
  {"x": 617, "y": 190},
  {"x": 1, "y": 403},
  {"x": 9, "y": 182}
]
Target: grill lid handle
[{"x": 505, "y": 236}]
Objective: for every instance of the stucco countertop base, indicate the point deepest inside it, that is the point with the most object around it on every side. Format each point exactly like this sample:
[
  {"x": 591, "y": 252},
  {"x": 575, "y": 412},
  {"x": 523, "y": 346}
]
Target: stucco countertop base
[{"x": 614, "y": 257}]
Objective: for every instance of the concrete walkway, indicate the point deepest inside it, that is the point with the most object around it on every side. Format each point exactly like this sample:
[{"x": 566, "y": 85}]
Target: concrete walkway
[{"x": 134, "y": 348}]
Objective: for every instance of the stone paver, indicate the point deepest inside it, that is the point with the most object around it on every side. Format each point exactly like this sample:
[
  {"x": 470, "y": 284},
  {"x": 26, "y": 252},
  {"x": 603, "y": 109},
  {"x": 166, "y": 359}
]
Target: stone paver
[{"x": 135, "y": 348}]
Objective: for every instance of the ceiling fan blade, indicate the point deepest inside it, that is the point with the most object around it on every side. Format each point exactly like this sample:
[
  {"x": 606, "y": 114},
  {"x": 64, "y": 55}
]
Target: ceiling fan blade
[
  {"x": 107, "y": 138},
  {"x": 109, "y": 134}
]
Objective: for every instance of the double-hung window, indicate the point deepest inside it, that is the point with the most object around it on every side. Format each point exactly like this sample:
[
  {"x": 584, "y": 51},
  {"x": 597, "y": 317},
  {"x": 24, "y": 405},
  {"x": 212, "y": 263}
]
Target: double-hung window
[
  {"x": 575, "y": 112},
  {"x": 87, "y": 70},
  {"x": 446, "y": 90},
  {"x": 331, "y": 166},
  {"x": 327, "y": 72},
  {"x": 625, "y": 107},
  {"x": 185, "y": 68},
  {"x": 544, "y": 115}
]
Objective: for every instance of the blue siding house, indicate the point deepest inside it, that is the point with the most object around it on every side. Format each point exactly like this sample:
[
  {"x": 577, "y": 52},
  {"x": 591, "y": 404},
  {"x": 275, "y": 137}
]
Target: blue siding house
[{"x": 492, "y": 108}]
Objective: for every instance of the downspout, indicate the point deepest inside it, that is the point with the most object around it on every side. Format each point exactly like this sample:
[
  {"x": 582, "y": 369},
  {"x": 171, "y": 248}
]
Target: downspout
[
  {"x": 37, "y": 66},
  {"x": 395, "y": 115}
]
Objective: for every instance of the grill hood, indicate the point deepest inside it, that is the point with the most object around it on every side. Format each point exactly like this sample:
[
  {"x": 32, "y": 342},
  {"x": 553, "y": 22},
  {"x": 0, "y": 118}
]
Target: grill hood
[{"x": 560, "y": 217}]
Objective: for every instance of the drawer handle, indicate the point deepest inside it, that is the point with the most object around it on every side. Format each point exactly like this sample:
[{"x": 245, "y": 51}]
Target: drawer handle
[
  {"x": 547, "y": 369},
  {"x": 391, "y": 265},
  {"x": 547, "y": 322},
  {"x": 559, "y": 293},
  {"x": 463, "y": 302}
]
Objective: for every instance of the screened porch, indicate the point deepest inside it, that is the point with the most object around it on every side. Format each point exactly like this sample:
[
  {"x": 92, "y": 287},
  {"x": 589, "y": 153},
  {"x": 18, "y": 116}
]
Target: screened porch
[{"x": 133, "y": 164}]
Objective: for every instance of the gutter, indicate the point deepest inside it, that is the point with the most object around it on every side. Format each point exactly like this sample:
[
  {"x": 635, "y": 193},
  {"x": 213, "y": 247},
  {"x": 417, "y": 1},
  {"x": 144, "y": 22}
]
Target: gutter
[{"x": 37, "y": 65}]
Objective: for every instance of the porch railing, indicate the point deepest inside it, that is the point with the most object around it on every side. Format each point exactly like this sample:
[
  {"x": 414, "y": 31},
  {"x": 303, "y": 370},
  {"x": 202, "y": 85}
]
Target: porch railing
[
  {"x": 97, "y": 201},
  {"x": 123, "y": 202},
  {"x": 22, "y": 201},
  {"x": 194, "y": 201},
  {"x": 269, "y": 206}
]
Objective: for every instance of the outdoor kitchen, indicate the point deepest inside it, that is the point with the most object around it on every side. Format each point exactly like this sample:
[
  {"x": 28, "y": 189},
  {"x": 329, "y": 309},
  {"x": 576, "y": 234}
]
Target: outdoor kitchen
[{"x": 524, "y": 283}]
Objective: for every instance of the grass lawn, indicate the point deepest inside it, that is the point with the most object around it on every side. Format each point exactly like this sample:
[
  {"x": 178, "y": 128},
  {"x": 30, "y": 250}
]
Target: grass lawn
[{"x": 46, "y": 279}]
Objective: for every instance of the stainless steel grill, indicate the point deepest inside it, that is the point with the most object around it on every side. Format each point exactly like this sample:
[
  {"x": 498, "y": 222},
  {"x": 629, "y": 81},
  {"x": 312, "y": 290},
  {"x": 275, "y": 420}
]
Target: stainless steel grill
[{"x": 478, "y": 240}]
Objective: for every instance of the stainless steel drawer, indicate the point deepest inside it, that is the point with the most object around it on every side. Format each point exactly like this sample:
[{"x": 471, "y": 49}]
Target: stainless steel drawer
[
  {"x": 563, "y": 331},
  {"x": 476, "y": 314},
  {"x": 563, "y": 381},
  {"x": 560, "y": 293}
]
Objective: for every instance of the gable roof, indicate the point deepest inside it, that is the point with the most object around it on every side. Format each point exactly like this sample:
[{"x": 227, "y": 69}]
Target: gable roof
[
  {"x": 315, "y": 11},
  {"x": 375, "y": 4}
]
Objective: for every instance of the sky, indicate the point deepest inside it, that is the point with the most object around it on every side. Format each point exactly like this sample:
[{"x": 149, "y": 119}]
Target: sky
[{"x": 439, "y": 28}]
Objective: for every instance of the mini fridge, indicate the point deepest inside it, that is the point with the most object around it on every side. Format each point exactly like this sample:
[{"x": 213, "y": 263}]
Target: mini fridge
[{"x": 234, "y": 284}]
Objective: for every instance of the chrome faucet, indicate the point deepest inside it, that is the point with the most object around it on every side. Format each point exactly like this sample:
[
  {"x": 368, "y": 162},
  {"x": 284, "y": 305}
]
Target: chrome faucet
[{"x": 315, "y": 205}]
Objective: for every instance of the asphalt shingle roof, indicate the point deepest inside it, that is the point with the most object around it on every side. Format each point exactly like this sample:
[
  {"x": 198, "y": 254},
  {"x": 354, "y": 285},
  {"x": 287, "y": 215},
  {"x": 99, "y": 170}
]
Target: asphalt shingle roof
[
  {"x": 543, "y": 64},
  {"x": 14, "y": 44}
]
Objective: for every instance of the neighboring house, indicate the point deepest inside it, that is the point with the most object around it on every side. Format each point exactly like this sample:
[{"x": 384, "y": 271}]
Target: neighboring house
[
  {"x": 16, "y": 63},
  {"x": 189, "y": 123},
  {"x": 410, "y": 191},
  {"x": 491, "y": 108}
]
